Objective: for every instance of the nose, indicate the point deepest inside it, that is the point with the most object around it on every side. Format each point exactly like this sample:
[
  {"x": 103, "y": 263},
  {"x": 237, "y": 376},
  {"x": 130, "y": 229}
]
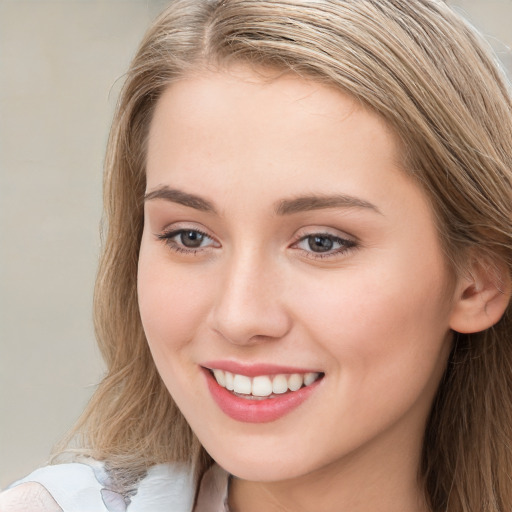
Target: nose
[{"x": 250, "y": 304}]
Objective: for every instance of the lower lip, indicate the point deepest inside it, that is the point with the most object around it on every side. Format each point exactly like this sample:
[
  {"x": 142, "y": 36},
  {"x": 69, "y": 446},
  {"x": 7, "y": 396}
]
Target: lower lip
[{"x": 257, "y": 411}]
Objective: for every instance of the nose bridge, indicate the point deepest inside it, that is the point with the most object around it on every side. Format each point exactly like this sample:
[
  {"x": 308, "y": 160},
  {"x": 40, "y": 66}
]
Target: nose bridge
[{"x": 249, "y": 305}]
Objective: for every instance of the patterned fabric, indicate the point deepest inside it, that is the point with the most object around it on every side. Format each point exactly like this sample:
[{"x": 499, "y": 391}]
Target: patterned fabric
[{"x": 88, "y": 486}]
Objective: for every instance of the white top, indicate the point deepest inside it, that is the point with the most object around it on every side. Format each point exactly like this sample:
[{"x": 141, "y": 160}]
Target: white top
[{"x": 85, "y": 487}]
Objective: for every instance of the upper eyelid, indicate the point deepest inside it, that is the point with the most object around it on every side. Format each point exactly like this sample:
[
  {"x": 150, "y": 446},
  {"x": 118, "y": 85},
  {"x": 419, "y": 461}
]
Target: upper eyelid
[
  {"x": 324, "y": 231},
  {"x": 301, "y": 234},
  {"x": 176, "y": 227},
  {"x": 326, "y": 235},
  {"x": 176, "y": 230}
]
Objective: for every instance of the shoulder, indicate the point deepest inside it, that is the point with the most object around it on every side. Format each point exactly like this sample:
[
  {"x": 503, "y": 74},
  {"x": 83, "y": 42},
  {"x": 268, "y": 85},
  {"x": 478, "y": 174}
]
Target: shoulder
[
  {"x": 86, "y": 486},
  {"x": 28, "y": 497}
]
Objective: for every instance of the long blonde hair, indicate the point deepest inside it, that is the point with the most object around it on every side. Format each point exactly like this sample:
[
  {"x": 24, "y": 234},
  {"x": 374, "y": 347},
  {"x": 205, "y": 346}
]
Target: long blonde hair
[{"x": 431, "y": 77}]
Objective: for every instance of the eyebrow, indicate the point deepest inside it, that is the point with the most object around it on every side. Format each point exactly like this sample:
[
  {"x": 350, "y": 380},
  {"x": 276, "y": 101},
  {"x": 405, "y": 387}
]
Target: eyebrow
[
  {"x": 319, "y": 202},
  {"x": 180, "y": 197},
  {"x": 284, "y": 207}
]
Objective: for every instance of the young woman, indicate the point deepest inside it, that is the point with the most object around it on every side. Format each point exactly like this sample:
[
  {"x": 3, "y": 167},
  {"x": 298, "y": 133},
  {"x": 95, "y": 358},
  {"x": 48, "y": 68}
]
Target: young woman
[{"x": 304, "y": 298}]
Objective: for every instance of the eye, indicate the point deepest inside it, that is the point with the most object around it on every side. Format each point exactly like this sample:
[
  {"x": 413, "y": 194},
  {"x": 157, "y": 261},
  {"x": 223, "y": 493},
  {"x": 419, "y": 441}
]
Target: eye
[
  {"x": 187, "y": 240},
  {"x": 191, "y": 239},
  {"x": 321, "y": 245}
]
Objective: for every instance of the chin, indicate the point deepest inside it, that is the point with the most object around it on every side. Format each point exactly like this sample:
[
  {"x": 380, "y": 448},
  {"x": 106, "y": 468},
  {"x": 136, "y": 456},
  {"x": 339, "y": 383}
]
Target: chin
[
  {"x": 262, "y": 470},
  {"x": 259, "y": 463}
]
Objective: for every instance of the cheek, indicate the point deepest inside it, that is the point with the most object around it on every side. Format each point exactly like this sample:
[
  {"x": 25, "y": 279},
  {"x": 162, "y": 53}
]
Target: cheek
[
  {"x": 172, "y": 303},
  {"x": 381, "y": 324},
  {"x": 386, "y": 343}
]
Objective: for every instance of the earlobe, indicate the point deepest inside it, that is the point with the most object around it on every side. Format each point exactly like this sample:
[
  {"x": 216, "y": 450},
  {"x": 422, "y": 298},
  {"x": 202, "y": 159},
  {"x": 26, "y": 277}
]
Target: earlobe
[{"x": 481, "y": 298}]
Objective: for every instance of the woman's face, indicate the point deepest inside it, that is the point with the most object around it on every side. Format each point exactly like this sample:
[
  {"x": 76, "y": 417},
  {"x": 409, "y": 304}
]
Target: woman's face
[{"x": 285, "y": 251}]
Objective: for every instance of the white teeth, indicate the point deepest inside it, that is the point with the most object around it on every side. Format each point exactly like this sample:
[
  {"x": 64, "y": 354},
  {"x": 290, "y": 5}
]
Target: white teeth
[
  {"x": 220, "y": 378},
  {"x": 242, "y": 384},
  {"x": 295, "y": 381},
  {"x": 229, "y": 380},
  {"x": 280, "y": 384},
  {"x": 309, "y": 378},
  {"x": 263, "y": 385}
]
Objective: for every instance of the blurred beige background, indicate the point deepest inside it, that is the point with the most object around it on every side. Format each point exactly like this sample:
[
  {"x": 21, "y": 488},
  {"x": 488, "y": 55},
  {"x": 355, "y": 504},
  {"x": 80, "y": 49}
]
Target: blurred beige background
[{"x": 61, "y": 65}]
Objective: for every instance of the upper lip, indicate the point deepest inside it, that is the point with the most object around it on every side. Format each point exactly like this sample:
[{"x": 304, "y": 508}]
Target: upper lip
[{"x": 254, "y": 369}]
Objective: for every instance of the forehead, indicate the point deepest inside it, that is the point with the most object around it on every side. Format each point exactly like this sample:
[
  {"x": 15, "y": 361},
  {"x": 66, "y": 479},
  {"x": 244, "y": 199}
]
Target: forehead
[{"x": 241, "y": 117}]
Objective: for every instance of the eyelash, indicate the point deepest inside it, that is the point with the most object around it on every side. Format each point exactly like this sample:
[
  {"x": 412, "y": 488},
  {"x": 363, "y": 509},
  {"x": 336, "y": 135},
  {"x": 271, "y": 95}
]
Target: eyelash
[
  {"x": 167, "y": 238},
  {"x": 346, "y": 244}
]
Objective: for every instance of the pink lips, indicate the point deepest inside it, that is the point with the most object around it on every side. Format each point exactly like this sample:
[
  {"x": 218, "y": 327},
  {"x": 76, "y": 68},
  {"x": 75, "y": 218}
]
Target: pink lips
[{"x": 255, "y": 411}]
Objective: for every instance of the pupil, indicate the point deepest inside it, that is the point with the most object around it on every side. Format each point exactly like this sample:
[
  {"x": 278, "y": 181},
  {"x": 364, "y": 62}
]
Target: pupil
[
  {"x": 320, "y": 243},
  {"x": 191, "y": 238}
]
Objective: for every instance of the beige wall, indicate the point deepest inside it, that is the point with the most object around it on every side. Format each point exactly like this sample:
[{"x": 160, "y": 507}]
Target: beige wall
[
  {"x": 60, "y": 65},
  {"x": 60, "y": 69}
]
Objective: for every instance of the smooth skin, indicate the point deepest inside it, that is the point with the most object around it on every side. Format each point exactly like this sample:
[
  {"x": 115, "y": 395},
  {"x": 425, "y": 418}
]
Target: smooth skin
[{"x": 230, "y": 270}]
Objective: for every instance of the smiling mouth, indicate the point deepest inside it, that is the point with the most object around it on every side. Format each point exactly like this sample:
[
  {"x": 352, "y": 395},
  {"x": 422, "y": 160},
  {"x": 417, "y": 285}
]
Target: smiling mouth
[{"x": 262, "y": 387}]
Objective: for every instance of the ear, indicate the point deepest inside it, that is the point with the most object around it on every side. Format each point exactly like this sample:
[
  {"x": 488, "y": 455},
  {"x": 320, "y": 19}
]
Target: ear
[{"x": 482, "y": 296}]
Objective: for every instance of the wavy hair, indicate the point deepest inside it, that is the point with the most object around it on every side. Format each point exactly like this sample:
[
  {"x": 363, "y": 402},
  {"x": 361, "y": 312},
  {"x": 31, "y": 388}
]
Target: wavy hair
[{"x": 436, "y": 83}]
